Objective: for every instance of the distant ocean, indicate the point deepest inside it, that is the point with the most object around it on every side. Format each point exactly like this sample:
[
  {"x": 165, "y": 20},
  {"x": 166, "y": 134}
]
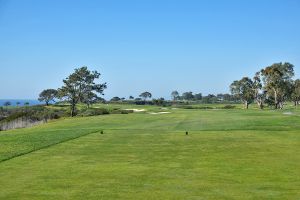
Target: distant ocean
[{"x": 22, "y": 101}]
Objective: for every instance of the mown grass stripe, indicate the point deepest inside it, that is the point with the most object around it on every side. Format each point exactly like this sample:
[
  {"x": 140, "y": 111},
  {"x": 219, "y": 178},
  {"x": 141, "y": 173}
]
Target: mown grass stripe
[{"x": 46, "y": 146}]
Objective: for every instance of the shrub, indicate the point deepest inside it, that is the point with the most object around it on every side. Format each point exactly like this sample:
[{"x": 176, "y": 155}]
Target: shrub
[
  {"x": 122, "y": 111},
  {"x": 15, "y": 115},
  {"x": 205, "y": 107},
  {"x": 94, "y": 112},
  {"x": 228, "y": 107},
  {"x": 194, "y": 107},
  {"x": 36, "y": 113},
  {"x": 56, "y": 114}
]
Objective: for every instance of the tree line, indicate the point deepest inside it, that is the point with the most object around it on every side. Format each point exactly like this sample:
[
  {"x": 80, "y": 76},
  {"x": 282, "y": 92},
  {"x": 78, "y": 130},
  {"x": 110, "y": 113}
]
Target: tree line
[
  {"x": 210, "y": 98},
  {"x": 81, "y": 87},
  {"x": 176, "y": 97},
  {"x": 272, "y": 86},
  {"x": 8, "y": 103}
]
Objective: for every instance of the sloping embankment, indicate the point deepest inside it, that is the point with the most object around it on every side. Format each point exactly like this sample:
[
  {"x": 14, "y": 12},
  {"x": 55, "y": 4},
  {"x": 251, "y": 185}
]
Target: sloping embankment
[{"x": 21, "y": 122}]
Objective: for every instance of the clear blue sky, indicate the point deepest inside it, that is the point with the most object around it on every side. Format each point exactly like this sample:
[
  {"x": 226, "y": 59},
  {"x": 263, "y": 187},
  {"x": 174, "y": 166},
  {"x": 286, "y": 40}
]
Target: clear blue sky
[{"x": 144, "y": 45}]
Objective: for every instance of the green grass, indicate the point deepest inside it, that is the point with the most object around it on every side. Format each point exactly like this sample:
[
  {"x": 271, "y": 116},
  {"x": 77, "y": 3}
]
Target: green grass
[{"x": 228, "y": 154}]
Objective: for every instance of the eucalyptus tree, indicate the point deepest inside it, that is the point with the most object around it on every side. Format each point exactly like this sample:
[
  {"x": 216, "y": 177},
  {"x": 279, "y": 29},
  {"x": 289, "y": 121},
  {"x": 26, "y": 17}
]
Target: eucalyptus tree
[
  {"x": 175, "y": 95},
  {"x": 210, "y": 98},
  {"x": 277, "y": 80},
  {"x": 79, "y": 86},
  {"x": 159, "y": 102},
  {"x": 259, "y": 94},
  {"x": 198, "y": 96},
  {"x": 243, "y": 89},
  {"x": 48, "y": 95},
  {"x": 295, "y": 96},
  {"x": 188, "y": 96},
  {"x": 145, "y": 95}
]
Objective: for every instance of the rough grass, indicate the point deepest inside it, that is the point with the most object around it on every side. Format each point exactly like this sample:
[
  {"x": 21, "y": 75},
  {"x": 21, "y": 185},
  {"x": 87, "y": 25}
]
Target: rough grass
[{"x": 228, "y": 154}]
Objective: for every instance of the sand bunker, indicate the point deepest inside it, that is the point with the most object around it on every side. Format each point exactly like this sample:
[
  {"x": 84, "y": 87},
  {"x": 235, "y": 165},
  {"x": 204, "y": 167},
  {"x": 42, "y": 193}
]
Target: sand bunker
[
  {"x": 287, "y": 113},
  {"x": 158, "y": 113},
  {"x": 137, "y": 110}
]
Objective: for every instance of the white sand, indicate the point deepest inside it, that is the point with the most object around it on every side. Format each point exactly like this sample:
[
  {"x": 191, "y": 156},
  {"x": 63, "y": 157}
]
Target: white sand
[
  {"x": 137, "y": 110},
  {"x": 287, "y": 113},
  {"x": 158, "y": 113}
]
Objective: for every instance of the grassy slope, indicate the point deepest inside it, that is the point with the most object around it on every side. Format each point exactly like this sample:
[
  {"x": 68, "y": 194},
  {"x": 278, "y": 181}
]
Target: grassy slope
[{"x": 229, "y": 154}]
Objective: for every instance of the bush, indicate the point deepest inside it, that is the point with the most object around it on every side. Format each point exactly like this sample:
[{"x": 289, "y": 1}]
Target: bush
[
  {"x": 36, "y": 113},
  {"x": 205, "y": 107},
  {"x": 56, "y": 114},
  {"x": 94, "y": 112},
  {"x": 228, "y": 107},
  {"x": 188, "y": 107},
  {"x": 122, "y": 111},
  {"x": 194, "y": 107},
  {"x": 15, "y": 115}
]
